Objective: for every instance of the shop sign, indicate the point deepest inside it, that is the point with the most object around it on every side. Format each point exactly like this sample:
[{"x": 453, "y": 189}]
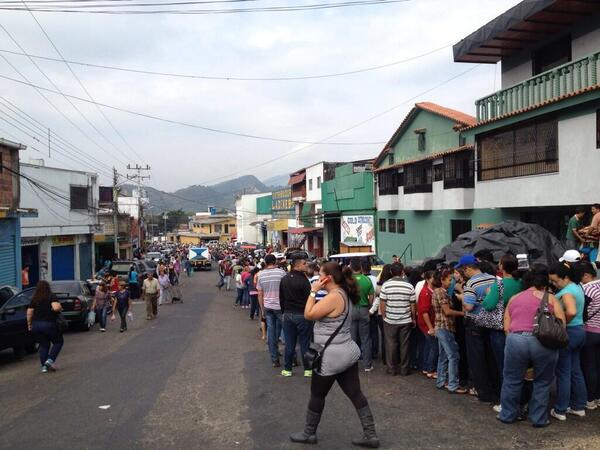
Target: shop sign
[
  {"x": 282, "y": 204},
  {"x": 29, "y": 241},
  {"x": 63, "y": 240},
  {"x": 358, "y": 230}
]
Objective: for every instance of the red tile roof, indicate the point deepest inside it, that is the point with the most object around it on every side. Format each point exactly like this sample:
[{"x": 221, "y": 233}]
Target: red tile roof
[
  {"x": 296, "y": 179},
  {"x": 462, "y": 119},
  {"x": 449, "y": 113}
]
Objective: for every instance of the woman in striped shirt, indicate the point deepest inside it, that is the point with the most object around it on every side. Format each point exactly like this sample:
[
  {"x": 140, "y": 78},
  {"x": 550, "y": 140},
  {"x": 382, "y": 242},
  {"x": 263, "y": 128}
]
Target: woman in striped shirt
[{"x": 590, "y": 355}]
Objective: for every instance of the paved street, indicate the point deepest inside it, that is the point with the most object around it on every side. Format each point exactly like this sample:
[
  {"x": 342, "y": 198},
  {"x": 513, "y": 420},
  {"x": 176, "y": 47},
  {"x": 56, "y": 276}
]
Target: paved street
[{"x": 199, "y": 378}]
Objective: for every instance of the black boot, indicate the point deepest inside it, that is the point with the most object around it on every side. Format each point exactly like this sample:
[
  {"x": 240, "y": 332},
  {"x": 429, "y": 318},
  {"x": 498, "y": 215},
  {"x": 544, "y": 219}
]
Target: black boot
[
  {"x": 369, "y": 438},
  {"x": 309, "y": 435}
]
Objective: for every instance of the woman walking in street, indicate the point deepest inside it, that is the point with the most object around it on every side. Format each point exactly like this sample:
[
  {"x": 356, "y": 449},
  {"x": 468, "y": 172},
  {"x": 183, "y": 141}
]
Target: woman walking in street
[
  {"x": 100, "y": 304},
  {"x": 165, "y": 285},
  {"x": 41, "y": 321},
  {"x": 121, "y": 303},
  {"x": 339, "y": 361}
]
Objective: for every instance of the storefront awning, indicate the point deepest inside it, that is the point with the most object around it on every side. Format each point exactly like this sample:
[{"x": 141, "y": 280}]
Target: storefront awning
[{"x": 304, "y": 230}]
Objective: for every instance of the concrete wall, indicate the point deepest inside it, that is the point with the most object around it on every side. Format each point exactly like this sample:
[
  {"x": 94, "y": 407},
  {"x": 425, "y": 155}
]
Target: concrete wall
[
  {"x": 314, "y": 195},
  {"x": 429, "y": 231},
  {"x": 9, "y": 182},
  {"x": 55, "y": 218},
  {"x": 574, "y": 184},
  {"x": 246, "y": 215},
  {"x": 585, "y": 40}
]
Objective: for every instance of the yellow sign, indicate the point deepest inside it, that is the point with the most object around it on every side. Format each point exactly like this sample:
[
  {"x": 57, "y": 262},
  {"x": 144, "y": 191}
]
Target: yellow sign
[
  {"x": 63, "y": 240},
  {"x": 278, "y": 225}
]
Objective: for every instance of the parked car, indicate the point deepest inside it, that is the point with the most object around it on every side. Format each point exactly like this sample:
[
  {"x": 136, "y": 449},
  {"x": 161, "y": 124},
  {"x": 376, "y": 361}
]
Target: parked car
[
  {"x": 149, "y": 266},
  {"x": 6, "y": 292},
  {"x": 76, "y": 299},
  {"x": 13, "y": 324},
  {"x": 153, "y": 256}
]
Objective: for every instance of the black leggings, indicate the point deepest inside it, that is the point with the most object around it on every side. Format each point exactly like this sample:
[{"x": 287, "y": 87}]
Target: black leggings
[{"x": 348, "y": 381}]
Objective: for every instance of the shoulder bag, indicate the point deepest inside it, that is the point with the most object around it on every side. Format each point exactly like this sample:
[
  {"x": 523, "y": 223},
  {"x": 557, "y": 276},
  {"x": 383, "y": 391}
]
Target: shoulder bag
[
  {"x": 314, "y": 354},
  {"x": 548, "y": 329},
  {"x": 493, "y": 319}
]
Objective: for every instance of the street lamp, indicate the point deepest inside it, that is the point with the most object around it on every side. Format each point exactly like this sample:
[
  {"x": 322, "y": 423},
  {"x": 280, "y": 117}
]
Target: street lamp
[{"x": 165, "y": 217}]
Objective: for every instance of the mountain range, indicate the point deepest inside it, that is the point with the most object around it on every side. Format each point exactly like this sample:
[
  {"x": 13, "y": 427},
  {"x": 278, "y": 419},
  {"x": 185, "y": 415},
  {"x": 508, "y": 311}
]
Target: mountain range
[{"x": 198, "y": 198}]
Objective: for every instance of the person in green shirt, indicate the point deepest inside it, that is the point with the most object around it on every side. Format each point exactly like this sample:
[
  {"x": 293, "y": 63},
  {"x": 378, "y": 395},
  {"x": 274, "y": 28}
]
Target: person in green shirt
[
  {"x": 572, "y": 238},
  {"x": 360, "y": 327},
  {"x": 512, "y": 286}
]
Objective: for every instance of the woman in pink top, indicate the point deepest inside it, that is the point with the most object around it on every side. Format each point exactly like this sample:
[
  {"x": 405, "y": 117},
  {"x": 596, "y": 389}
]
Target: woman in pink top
[{"x": 523, "y": 350}]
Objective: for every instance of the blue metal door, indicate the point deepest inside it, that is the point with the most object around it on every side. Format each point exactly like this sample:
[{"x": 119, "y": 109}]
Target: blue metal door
[
  {"x": 8, "y": 256},
  {"x": 85, "y": 261},
  {"x": 63, "y": 262}
]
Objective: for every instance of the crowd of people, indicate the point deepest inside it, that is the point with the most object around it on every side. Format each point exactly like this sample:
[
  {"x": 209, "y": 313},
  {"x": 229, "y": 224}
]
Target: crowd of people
[{"x": 469, "y": 327}]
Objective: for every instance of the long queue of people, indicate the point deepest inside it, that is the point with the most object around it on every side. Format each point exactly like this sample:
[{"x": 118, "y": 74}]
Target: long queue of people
[{"x": 470, "y": 328}]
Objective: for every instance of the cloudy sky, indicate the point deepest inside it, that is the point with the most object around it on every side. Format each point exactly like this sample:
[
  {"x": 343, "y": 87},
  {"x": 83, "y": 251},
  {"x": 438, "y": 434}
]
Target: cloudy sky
[{"x": 255, "y": 45}]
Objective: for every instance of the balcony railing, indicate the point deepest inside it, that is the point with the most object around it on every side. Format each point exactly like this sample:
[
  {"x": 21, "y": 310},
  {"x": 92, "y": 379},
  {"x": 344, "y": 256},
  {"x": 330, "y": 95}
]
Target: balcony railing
[{"x": 554, "y": 83}]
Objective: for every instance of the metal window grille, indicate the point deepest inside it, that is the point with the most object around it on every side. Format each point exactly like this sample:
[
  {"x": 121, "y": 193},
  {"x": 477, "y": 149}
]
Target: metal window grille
[
  {"x": 392, "y": 225},
  {"x": 400, "y": 226},
  {"x": 387, "y": 183},
  {"x": 382, "y": 225},
  {"x": 418, "y": 177},
  {"x": 459, "y": 171},
  {"x": 79, "y": 197}
]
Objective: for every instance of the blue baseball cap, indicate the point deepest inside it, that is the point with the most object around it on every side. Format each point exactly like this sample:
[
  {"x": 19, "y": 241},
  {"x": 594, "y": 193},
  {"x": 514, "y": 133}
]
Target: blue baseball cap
[{"x": 466, "y": 260}]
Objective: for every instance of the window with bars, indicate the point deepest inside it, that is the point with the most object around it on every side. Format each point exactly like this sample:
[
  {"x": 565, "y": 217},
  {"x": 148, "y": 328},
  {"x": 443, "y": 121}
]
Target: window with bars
[
  {"x": 79, "y": 198},
  {"x": 438, "y": 172},
  {"x": 458, "y": 170},
  {"x": 310, "y": 185},
  {"x": 392, "y": 225},
  {"x": 400, "y": 226},
  {"x": 526, "y": 149},
  {"x": 387, "y": 182},
  {"x": 382, "y": 225},
  {"x": 422, "y": 142},
  {"x": 418, "y": 177}
]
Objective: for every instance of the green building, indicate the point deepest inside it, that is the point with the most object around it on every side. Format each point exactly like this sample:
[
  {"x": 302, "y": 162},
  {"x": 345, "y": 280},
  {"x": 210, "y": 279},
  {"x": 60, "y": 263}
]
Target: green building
[
  {"x": 425, "y": 185},
  {"x": 349, "y": 208}
]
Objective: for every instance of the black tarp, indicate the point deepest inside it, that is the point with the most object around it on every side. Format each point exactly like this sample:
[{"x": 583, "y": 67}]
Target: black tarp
[{"x": 509, "y": 236}]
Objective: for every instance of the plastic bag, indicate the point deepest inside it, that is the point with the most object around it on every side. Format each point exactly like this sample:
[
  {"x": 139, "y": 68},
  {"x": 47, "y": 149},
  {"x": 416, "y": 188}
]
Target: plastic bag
[
  {"x": 130, "y": 316},
  {"x": 91, "y": 318}
]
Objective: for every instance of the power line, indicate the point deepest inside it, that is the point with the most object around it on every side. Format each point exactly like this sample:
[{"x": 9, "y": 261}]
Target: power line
[
  {"x": 291, "y": 8},
  {"x": 43, "y": 30},
  {"x": 57, "y": 91},
  {"x": 190, "y": 125},
  {"x": 231, "y": 78}
]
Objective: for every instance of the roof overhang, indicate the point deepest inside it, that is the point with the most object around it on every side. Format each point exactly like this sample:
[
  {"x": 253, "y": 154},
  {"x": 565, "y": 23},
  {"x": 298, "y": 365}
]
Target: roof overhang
[
  {"x": 297, "y": 179},
  {"x": 429, "y": 157},
  {"x": 12, "y": 145},
  {"x": 522, "y": 26}
]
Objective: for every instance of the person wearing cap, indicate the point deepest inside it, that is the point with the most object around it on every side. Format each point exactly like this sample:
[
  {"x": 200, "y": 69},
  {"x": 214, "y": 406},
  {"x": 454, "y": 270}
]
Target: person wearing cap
[
  {"x": 570, "y": 256},
  {"x": 483, "y": 369},
  {"x": 294, "y": 290}
]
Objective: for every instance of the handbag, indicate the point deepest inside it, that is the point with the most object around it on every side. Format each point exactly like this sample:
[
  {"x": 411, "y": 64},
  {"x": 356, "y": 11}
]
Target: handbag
[
  {"x": 314, "y": 355},
  {"x": 61, "y": 323},
  {"x": 493, "y": 319},
  {"x": 548, "y": 329}
]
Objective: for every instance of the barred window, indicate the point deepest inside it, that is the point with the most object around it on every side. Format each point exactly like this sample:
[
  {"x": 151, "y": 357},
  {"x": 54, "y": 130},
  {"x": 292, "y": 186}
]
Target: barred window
[
  {"x": 387, "y": 183},
  {"x": 381, "y": 224},
  {"x": 438, "y": 172},
  {"x": 458, "y": 170},
  {"x": 527, "y": 149},
  {"x": 418, "y": 177},
  {"x": 400, "y": 226},
  {"x": 79, "y": 197},
  {"x": 392, "y": 225}
]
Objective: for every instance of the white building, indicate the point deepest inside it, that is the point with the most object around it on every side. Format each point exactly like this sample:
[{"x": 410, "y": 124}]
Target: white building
[
  {"x": 58, "y": 244},
  {"x": 249, "y": 223},
  {"x": 133, "y": 204}
]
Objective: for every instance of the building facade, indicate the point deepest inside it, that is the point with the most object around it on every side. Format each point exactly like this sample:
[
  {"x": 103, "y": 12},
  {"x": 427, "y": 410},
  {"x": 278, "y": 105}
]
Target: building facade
[
  {"x": 426, "y": 185},
  {"x": 349, "y": 209},
  {"x": 58, "y": 243},
  {"x": 249, "y": 223},
  {"x": 10, "y": 211},
  {"x": 537, "y": 140}
]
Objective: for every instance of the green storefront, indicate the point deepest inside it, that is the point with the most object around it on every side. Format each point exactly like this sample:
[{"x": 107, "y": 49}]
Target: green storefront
[
  {"x": 349, "y": 208},
  {"x": 425, "y": 185}
]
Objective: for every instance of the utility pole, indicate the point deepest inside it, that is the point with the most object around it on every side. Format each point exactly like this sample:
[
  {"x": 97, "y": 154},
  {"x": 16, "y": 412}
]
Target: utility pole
[
  {"x": 139, "y": 178},
  {"x": 49, "y": 143},
  {"x": 116, "y": 212}
]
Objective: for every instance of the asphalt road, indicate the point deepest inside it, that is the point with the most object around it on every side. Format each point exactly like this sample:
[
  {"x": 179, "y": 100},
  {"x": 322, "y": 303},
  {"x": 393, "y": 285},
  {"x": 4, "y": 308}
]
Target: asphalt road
[{"x": 199, "y": 377}]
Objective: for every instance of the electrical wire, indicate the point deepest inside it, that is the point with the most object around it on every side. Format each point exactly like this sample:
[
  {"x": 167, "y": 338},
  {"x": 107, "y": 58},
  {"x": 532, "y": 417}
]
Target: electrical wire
[
  {"x": 43, "y": 30},
  {"x": 187, "y": 124},
  {"x": 57, "y": 91},
  {"x": 81, "y": 9},
  {"x": 232, "y": 78}
]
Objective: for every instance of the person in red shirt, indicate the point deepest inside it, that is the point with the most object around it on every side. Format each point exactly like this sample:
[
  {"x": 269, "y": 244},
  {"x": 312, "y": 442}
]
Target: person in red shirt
[{"x": 426, "y": 323}]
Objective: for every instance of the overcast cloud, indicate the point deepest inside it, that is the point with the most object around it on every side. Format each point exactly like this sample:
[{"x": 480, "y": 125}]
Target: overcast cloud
[{"x": 248, "y": 45}]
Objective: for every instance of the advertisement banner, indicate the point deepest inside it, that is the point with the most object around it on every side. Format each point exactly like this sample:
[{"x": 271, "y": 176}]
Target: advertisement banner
[
  {"x": 283, "y": 206},
  {"x": 358, "y": 230}
]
